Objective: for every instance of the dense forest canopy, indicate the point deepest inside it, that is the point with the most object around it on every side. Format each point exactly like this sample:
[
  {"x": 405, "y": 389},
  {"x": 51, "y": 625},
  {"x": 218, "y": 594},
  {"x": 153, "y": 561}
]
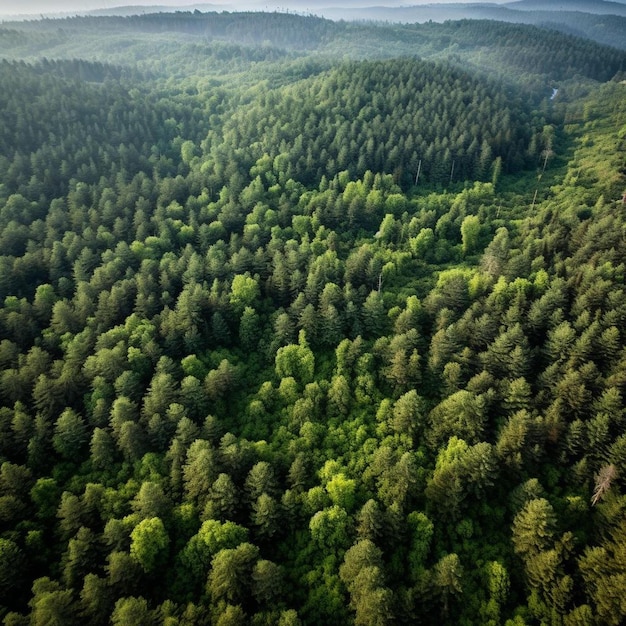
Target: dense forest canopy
[{"x": 306, "y": 322}]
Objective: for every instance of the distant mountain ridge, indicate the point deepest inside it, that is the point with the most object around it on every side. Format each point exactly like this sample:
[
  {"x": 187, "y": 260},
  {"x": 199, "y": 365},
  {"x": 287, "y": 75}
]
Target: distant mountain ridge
[
  {"x": 157, "y": 8},
  {"x": 603, "y": 21},
  {"x": 603, "y": 7},
  {"x": 600, "y": 20}
]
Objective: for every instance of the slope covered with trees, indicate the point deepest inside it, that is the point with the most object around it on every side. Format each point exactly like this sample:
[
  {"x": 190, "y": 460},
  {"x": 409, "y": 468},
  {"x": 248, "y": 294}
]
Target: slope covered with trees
[
  {"x": 382, "y": 117},
  {"x": 197, "y": 43},
  {"x": 254, "y": 369}
]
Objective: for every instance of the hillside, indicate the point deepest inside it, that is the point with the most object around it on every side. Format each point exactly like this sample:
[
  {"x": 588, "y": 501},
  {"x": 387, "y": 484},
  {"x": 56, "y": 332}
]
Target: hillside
[
  {"x": 228, "y": 42},
  {"x": 602, "y": 7},
  {"x": 599, "y": 20},
  {"x": 603, "y": 22},
  {"x": 293, "y": 332}
]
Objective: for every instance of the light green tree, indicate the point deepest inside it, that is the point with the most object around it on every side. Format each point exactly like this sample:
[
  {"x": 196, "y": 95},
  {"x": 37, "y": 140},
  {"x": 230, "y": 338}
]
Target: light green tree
[
  {"x": 149, "y": 544},
  {"x": 470, "y": 234},
  {"x": 245, "y": 291},
  {"x": 296, "y": 360}
]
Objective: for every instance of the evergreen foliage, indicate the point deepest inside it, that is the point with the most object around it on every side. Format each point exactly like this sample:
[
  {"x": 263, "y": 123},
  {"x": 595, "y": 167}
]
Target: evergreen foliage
[{"x": 255, "y": 369}]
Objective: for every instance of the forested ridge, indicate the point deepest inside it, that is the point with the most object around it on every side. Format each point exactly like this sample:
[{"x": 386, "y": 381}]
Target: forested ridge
[
  {"x": 216, "y": 42},
  {"x": 295, "y": 338}
]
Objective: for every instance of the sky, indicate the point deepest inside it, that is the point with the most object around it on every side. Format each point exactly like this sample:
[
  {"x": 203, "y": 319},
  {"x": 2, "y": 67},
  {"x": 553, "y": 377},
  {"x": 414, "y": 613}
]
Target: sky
[{"x": 12, "y": 7}]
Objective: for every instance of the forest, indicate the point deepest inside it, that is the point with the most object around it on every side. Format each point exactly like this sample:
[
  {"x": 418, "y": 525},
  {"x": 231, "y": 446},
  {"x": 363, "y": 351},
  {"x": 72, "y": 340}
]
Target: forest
[{"x": 309, "y": 322}]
